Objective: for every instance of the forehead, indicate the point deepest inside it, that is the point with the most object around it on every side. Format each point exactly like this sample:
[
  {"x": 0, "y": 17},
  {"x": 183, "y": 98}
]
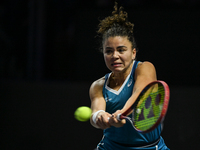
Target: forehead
[{"x": 117, "y": 41}]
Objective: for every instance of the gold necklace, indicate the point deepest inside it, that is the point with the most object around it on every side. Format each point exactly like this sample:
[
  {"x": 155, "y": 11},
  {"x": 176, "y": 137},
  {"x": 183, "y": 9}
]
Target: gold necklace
[{"x": 114, "y": 79}]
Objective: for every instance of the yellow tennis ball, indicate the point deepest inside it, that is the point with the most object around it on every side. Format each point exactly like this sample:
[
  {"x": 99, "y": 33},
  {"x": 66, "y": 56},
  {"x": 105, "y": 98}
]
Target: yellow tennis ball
[{"x": 83, "y": 113}]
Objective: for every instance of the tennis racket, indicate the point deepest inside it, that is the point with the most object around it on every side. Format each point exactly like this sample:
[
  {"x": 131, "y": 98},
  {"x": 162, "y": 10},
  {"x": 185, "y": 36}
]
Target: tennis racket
[{"x": 150, "y": 107}]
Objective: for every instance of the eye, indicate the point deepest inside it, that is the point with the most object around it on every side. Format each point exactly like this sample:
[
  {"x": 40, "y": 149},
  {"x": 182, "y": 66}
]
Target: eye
[
  {"x": 121, "y": 50},
  {"x": 108, "y": 51}
]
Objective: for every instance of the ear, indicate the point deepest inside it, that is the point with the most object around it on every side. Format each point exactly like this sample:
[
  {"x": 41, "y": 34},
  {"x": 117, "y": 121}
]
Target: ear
[{"x": 134, "y": 53}]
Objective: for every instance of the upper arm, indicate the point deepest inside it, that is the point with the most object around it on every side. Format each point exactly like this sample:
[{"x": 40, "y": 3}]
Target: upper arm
[
  {"x": 96, "y": 95},
  {"x": 144, "y": 74}
]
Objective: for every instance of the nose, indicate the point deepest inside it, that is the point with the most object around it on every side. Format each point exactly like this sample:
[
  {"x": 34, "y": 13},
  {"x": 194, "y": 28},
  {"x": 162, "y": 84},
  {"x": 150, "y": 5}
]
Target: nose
[{"x": 115, "y": 54}]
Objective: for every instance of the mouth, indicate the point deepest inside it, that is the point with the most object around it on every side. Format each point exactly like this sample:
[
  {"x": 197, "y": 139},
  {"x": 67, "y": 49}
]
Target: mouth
[{"x": 116, "y": 64}]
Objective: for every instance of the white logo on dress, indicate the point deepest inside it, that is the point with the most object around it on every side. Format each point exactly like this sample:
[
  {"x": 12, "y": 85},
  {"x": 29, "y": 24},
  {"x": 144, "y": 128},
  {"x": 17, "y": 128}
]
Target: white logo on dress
[
  {"x": 108, "y": 99},
  {"x": 130, "y": 82}
]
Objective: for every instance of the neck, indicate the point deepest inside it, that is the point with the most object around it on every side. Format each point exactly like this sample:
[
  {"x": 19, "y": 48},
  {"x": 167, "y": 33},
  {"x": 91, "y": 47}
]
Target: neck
[{"x": 120, "y": 77}]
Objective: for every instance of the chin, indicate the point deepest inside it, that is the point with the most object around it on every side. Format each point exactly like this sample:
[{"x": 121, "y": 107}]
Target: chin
[{"x": 117, "y": 70}]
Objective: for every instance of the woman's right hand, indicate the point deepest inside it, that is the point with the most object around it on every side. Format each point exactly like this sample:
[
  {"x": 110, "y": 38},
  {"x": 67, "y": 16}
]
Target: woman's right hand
[{"x": 102, "y": 120}]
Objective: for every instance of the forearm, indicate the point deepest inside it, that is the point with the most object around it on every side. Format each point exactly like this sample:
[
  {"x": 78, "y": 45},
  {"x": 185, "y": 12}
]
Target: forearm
[{"x": 145, "y": 74}]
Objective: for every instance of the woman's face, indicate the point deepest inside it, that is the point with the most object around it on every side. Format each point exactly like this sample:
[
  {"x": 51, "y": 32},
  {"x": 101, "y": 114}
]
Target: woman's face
[{"x": 118, "y": 54}]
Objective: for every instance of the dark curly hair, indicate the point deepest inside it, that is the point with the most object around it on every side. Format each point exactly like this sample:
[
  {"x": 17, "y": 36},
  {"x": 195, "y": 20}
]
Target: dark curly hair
[{"x": 116, "y": 25}]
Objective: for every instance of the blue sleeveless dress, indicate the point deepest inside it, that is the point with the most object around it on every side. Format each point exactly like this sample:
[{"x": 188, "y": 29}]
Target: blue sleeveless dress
[{"x": 126, "y": 137}]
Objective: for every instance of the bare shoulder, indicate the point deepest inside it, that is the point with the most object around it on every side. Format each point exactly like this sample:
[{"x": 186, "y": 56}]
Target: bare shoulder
[
  {"x": 145, "y": 66},
  {"x": 97, "y": 85},
  {"x": 99, "y": 82},
  {"x": 146, "y": 70}
]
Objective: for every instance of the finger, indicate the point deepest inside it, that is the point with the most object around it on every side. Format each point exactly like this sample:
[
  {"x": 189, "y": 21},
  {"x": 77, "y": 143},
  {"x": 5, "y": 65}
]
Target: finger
[
  {"x": 113, "y": 120},
  {"x": 99, "y": 122},
  {"x": 103, "y": 122},
  {"x": 106, "y": 121},
  {"x": 116, "y": 113},
  {"x": 123, "y": 121}
]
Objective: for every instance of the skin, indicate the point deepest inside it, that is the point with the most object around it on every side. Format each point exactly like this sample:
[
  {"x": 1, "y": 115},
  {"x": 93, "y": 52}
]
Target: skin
[{"x": 119, "y": 57}]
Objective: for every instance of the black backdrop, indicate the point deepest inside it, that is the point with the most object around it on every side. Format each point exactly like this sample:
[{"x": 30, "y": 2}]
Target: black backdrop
[
  {"x": 169, "y": 38},
  {"x": 49, "y": 57}
]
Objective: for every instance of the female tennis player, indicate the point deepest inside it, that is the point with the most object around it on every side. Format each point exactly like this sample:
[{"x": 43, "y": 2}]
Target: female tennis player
[{"x": 111, "y": 94}]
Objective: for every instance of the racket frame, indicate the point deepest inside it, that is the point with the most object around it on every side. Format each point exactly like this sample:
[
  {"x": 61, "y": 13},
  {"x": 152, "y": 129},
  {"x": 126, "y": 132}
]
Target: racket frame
[{"x": 162, "y": 114}]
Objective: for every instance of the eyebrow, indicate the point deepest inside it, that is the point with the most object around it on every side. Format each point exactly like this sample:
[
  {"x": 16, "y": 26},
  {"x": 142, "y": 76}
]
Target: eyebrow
[
  {"x": 121, "y": 47},
  {"x": 117, "y": 47},
  {"x": 108, "y": 48}
]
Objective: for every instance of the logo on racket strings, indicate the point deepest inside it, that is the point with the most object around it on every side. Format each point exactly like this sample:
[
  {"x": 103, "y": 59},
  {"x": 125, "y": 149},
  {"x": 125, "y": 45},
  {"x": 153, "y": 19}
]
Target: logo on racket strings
[{"x": 149, "y": 107}]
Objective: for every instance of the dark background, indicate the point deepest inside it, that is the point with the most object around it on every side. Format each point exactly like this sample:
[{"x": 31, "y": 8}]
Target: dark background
[{"x": 49, "y": 57}]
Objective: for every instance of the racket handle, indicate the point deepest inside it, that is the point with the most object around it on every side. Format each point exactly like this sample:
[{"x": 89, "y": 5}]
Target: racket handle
[{"x": 119, "y": 117}]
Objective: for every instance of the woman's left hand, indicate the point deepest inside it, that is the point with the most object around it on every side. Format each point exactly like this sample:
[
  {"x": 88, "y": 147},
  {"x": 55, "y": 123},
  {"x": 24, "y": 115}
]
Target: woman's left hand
[{"x": 114, "y": 122}]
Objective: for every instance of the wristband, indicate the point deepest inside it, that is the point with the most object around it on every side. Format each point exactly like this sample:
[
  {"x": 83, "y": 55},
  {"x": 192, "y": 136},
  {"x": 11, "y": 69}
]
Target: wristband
[{"x": 94, "y": 117}]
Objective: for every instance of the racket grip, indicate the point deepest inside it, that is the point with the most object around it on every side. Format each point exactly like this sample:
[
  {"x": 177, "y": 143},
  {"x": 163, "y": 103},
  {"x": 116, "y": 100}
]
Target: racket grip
[{"x": 119, "y": 117}]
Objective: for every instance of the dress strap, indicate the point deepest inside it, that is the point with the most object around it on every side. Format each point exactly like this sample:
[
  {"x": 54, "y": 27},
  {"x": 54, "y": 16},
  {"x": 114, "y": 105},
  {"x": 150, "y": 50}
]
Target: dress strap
[{"x": 134, "y": 68}]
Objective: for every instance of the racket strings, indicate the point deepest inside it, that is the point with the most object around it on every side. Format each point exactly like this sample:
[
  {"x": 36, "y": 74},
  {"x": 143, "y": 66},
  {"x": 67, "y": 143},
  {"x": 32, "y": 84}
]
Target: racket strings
[{"x": 149, "y": 108}]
